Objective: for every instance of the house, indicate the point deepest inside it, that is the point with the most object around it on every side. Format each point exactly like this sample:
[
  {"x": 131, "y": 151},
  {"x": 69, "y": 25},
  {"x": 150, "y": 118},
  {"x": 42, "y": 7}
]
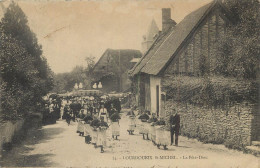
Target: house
[
  {"x": 112, "y": 69},
  {"x": 186, "y": 50},
  {"x": 177, "y": 48}
]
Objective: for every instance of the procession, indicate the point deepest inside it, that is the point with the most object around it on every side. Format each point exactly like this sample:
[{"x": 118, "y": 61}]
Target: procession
[
  {"x": 129, "y": 83},
  {"x": 94, "y": 115}
]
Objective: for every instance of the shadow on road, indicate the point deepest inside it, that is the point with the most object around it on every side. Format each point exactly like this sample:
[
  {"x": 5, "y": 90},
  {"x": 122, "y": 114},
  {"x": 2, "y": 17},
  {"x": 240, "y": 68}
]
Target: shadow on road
[{"x": 20, "y": 155}]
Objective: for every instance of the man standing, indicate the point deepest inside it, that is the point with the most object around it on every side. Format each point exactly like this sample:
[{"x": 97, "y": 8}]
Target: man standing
[{"x": 175, "y": 126}]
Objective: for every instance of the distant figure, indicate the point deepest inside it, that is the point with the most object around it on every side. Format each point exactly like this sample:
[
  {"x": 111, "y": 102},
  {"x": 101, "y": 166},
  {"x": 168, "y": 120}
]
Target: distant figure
[
  {"x": 152, "y": 131},
  {"x": 68, "y": 117},
  {"x": 103, "y": 113},
  {"x": 102, "y": 136},
  {"x": 87, "y": 128},
  {"x": 132, "y": 124},
  {"x": 143, "y": 128},
  {"x": 117, "y": 104},
  {"x": 175, "y": 126},
  {"x": 112, "y": 110},
  {"x": 94, "y": 124},
  {"x": 115, "y": 125}
]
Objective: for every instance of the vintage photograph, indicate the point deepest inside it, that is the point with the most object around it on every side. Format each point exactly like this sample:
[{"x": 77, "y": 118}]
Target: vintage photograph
[{"x": 130, "y": 83}]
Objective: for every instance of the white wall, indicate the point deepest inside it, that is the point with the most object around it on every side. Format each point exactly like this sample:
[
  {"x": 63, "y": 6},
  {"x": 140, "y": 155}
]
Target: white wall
[{"x": 154, "y": 81}]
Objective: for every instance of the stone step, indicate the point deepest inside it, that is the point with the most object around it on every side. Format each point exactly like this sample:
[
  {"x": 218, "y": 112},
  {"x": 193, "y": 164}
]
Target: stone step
[
  {"x": 255, "y": 150},
  {"x": 255, "y": 143}
]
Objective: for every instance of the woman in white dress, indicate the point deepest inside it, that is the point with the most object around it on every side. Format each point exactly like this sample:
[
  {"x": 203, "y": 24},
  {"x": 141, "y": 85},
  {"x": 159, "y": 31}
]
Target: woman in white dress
[{"x": 103, "y": 113}]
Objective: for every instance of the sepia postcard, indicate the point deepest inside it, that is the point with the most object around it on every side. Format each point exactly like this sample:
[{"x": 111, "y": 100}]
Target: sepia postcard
[{"x": 130, "y": 83}]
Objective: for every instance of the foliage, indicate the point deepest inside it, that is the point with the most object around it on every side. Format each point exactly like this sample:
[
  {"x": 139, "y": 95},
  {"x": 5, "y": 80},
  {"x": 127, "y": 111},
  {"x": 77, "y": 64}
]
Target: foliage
[
  {"x": 234, "y": 77},
  {"x": 239, "y": 50},
  {"x": 25, "y": 74},
  {"x": 65, "y": 82},
  {"x": 210, "y": 91}
]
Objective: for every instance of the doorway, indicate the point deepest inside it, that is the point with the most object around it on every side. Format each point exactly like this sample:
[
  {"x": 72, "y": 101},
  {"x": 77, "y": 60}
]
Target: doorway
[{"x": 157, "y": 100}]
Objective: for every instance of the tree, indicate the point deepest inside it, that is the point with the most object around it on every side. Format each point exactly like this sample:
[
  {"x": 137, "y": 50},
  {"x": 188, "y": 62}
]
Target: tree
[
  {"x": 65, "y": 82},
  {"x": 25, "y": 74},
  {"x": 240, "y": 47}
]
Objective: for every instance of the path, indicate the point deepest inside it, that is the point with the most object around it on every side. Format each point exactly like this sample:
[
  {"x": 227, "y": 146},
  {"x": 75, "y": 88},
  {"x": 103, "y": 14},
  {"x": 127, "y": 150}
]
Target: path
[{"x": 58, "y": 145}]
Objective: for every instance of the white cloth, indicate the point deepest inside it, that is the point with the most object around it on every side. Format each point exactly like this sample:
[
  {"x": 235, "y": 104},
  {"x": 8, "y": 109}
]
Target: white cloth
[
  {"x": 87, "y": 130},
  {"x": 80, "y": 127},
  {"x": 141, "y": 127},
  {"x": 102, "y": 136},
  {"x": 103, "y": 113},
  {"x": 115, "y": 128},
  {"x": 146, "y": 127},
  {"x": 162, "y": 136},
  {"x": 153, "y": 133},
  {"x": 94, "y": 135},
  {"x": 131, "y": 124}
]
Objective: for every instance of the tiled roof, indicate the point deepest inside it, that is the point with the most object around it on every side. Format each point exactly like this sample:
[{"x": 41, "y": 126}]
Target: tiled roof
[
  {"x": 169, "y": 43},
  {"x": 126, "y": 55}
]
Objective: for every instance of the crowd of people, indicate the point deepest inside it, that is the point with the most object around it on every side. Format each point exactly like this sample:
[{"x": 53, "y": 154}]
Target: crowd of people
[{"x": 94, "y": 115}]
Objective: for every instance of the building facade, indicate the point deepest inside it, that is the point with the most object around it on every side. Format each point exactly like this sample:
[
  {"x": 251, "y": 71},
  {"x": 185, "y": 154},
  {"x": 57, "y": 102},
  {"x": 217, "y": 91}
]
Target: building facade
[
  {"x": 112, "y": 69},
  {"x": 184, "y": 55}
]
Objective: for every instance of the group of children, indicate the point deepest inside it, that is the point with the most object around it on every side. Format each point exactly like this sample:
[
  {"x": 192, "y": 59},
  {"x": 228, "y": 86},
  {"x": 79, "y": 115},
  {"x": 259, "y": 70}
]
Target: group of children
[
  {"x": 94, "y": 126},
  {"x": 150, "y": 127}
]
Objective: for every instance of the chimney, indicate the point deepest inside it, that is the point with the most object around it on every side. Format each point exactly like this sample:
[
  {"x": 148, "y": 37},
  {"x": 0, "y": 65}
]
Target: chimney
[{"x": 167, "y": 22}]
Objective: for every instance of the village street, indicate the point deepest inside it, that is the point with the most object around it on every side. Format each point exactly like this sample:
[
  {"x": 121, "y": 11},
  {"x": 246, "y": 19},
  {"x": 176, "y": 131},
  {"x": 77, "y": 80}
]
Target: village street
[{"x": 59, "y": 145}]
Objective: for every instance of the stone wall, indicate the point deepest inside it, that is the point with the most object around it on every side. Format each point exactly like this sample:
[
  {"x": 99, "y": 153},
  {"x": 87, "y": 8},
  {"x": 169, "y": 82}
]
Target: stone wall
[{"x": 231, "y": 126}]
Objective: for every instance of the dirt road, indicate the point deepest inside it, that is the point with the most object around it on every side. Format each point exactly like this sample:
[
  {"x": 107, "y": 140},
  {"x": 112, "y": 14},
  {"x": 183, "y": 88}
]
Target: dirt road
[{"x": 59, "y": 145}]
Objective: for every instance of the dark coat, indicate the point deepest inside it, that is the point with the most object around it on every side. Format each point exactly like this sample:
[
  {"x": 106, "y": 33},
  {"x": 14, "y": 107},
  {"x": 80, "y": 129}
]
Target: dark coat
[
  {"x": 153, "y": 119},
  {"x": 88, "y": 119},
  {"x": 95, "y": 123},
  {"x": 103, "y": 124},
  {"x": 160, "y": 122},
  {"x": 144, "y": 117},
  {"x": 117, "y": 105},
  {"x": 115, "y": 117},
  {"x": 175, "y": 120}
]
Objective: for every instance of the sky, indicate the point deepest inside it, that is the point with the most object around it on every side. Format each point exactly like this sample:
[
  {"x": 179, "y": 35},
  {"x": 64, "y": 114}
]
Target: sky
[{"x": 71, "y": 30}]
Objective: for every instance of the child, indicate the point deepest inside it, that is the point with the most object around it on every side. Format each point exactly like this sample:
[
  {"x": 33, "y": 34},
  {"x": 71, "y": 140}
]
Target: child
[
  {"x": 162, "y": 139},
  {"x": 152, "y": 131},
  {"x": 132, "y": 125},
  {"x": 102, "y": 136},
  {"x": 80, "y": 128},
  {"x": 94, "y": 124},
  {"x": 143, "y": 129},
  {"x": 87, "y": 128},
  {"x": 115, "y": 125}
]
